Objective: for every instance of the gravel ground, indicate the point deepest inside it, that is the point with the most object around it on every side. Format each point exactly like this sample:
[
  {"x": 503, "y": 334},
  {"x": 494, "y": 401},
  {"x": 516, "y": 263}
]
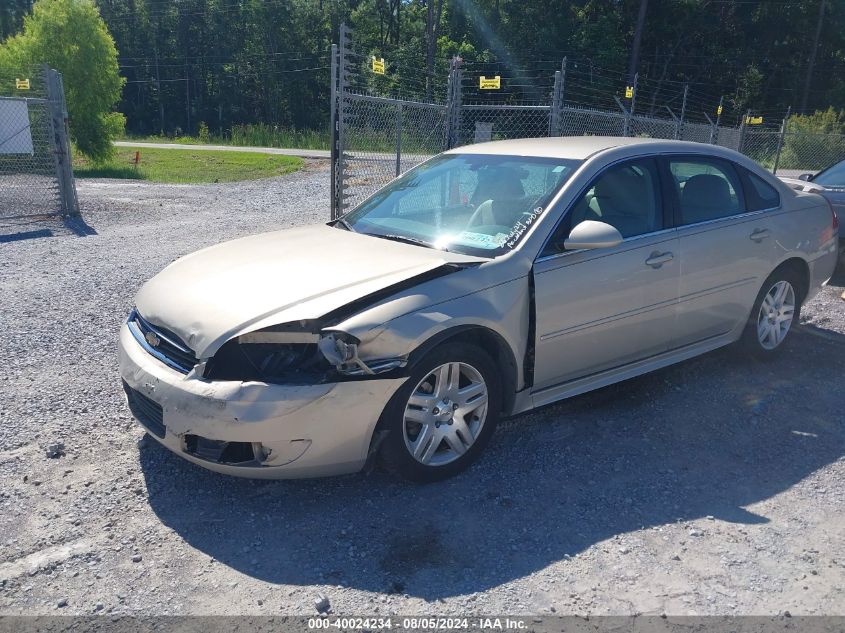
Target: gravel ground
[{"x": 712, "y": 487}]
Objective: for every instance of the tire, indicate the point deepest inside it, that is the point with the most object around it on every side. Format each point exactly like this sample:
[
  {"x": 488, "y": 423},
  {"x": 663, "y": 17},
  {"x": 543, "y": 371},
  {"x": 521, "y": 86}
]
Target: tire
[
  {"x": 768, "y": 326},
  {"x": 436, "y": 418}
]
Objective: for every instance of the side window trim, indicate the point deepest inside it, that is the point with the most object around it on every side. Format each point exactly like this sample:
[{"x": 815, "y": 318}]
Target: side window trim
[
  {"x": 671, "y": 202},
  {"x": 745, "y": 175},
  {"x": 718, "y": 161},
  {"x": 660, "y": 194}
]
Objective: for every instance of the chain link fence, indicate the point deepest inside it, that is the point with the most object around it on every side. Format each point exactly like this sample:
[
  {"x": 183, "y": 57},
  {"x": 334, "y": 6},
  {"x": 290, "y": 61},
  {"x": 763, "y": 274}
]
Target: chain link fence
[
  {"x": 387, "y": 118},
  {"x": 577, "y": 121},
  {"x": 808, "y": 152},
  {"x": 35, "y": 172}
]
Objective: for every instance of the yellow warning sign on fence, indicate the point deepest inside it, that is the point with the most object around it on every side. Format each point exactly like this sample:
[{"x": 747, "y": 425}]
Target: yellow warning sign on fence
[
  {"x": 490, "y": 83},
  {"x": 753, "y": 120},
  {"x": 378, "y": 66},
  {"x": 22, "y": 84},
  {"x": 719, "y": 111},
  {"x": 629, "y": 92}
]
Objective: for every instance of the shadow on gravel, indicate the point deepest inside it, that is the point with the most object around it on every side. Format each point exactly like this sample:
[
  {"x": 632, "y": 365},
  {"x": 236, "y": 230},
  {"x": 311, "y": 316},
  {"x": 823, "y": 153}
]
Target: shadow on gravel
[
  {"x": 79, "y": 227},
  {"x": 707, "y": 437},
  {"x": 26, "y": 227},
  {"x": 25, "y": 235}
]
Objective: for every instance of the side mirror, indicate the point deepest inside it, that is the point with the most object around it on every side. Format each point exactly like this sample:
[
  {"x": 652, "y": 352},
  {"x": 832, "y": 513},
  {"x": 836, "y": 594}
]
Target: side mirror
[
  {"x": 591, "y": 234},
  {"x": 805, "y": 177}
]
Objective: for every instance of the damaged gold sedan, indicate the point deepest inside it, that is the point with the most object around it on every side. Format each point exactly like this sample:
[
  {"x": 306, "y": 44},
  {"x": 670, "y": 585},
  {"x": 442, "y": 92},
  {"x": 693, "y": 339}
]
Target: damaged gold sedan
[{"x": 487, "y": 281}]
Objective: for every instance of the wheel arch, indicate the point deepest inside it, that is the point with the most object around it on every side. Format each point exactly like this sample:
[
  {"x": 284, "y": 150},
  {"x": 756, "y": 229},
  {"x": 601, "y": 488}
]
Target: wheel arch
[
  {"x": 479, "y": 336},
  {"x": 487, "y": 340},
  {"x": 801, "y": 268}
]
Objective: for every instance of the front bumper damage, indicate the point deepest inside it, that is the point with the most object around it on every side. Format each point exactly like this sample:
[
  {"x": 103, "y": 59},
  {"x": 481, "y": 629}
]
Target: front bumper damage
[{"x": 254, "y": 429}]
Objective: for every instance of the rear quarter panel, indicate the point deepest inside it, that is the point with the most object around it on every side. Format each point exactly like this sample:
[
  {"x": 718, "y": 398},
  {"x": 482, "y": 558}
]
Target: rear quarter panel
[{"x": 803, "y": 228}]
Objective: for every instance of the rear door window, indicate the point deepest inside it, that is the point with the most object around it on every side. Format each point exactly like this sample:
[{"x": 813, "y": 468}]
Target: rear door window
[{"x": 708, "y": 189}]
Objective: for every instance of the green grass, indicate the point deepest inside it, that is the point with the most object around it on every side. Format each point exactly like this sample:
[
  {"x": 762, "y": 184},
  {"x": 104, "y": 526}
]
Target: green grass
[
  {"x": 257, "y": 135},
  {"x": 188, "y": 166}
]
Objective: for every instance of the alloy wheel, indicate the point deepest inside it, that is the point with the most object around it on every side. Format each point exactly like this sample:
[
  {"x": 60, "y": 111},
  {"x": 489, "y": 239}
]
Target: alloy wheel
[
  {"x": 445, "y": 414},
  {"x": 776, "y": 314}
]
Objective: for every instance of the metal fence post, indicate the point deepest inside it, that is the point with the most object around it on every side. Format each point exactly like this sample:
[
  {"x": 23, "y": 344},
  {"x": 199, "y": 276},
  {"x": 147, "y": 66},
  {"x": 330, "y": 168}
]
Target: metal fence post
[
  {"x": 675, "y": 119},
  {"x": 626, "y": 120},
  {"x": 634, "y": 94},
  {"x": 61, "y": 140},
  {"x": 680, "y": 132},
  {"x": 742, "y": 128},
  {"x": 561, "y": 96},
  {"x": 554, "y": 113},
  {"x": 398, "y": 139},
  {"x": 342, "y": 77},
  {"x": 450, "y": 80},
  {"x": 333, "y": 146},
  {"x": 459, "y": 98},
  {"x": 714, "y": 127},
  {"x": 781, "y": 137},
  {"x": 453, "y": 104}
]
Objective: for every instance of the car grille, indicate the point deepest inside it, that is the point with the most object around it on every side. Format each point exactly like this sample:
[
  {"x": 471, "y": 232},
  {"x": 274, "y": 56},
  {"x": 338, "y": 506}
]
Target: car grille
[
  {"x": 146, "y": 411},
  {"x": 164, "y": 345}
]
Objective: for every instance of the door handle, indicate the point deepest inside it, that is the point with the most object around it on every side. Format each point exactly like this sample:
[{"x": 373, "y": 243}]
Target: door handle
[
  {"x": 758, "y": 235},
  {"x": 656, "y": 260}
]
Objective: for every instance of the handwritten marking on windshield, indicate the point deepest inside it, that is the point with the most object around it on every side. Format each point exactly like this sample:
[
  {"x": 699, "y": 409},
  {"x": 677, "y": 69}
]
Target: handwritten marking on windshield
[{"x": 521, "y": 227}]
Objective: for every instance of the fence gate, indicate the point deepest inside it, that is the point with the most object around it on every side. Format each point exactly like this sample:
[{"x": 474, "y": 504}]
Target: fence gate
[
  {"x": 375, "y": 138},
  {"x": 36, "y": 176}
]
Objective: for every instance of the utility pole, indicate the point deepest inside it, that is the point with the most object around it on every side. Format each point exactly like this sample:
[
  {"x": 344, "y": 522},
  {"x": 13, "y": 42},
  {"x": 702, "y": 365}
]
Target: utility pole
[
  {"x": 432, "y": 28},
  {"x": 806, "y": 93},
  {"x": 638, "y": 36}
]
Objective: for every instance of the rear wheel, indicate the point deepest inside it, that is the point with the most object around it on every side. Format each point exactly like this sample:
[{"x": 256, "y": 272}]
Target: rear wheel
[
  {"x": 775, "y": 313},
  {"x": 443, "y": 416}
]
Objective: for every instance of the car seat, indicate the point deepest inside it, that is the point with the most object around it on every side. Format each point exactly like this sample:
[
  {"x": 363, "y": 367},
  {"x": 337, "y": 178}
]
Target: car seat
[{"x": 705, "y": 197}]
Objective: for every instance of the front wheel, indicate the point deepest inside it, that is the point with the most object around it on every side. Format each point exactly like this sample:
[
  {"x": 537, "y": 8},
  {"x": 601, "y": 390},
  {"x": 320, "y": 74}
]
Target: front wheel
[
  {"x": 443, "y": 416},
  {"x": 775, "y": 312}
]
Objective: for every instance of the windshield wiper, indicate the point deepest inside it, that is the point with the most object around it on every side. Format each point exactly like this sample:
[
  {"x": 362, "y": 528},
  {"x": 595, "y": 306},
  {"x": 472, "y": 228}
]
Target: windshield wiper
[
  {"x": 407, "y": 240},
  {"x": 345, "y": 225}
]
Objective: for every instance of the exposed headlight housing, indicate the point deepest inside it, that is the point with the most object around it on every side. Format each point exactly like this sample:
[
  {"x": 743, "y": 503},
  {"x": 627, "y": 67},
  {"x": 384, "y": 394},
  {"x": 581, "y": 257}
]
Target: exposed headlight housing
[
  {"x": 281, "y": 355},
  {"x": 341, "y": 350},
  {"x": 272, "y": 357}
]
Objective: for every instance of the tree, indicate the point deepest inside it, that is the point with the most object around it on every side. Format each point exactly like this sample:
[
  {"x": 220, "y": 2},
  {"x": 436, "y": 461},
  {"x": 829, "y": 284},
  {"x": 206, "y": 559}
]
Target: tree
[
  {"x": 70, "y": 36},
  {"x": 11, "y": 16}
]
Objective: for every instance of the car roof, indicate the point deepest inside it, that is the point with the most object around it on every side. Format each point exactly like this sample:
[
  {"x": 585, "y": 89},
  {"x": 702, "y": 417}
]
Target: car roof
[
  {"x": 576, "y": 147},
  {"x": 614, "y": 148}
]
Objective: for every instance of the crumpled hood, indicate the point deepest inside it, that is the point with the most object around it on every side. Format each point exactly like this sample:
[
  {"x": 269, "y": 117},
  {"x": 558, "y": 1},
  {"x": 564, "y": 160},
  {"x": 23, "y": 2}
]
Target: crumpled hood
[{"x": 214, "y": 294}]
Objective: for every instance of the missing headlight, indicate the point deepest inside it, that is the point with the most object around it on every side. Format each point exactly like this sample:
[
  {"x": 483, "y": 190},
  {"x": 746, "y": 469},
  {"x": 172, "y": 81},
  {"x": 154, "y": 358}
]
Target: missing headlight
[{"x": 268, "y": 362}]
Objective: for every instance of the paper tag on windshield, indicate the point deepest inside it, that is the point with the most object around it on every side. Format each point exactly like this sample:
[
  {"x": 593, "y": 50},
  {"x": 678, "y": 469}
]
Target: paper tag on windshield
[{"x": 480, "y": 240}]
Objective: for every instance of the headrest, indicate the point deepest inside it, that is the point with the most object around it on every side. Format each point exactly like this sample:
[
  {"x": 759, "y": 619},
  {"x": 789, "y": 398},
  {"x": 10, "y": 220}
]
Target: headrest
[{"x": 706, "y": 192}]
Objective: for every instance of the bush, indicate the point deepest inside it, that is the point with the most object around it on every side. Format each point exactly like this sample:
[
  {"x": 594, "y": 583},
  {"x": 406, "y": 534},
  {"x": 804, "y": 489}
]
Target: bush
[{"x": 814, "y": 141}]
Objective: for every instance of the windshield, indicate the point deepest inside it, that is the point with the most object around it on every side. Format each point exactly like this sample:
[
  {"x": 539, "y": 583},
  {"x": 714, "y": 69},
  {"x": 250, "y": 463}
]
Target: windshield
[
  {"x": 832, "y": 176},
  {"x": 472, "y": 204}
]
